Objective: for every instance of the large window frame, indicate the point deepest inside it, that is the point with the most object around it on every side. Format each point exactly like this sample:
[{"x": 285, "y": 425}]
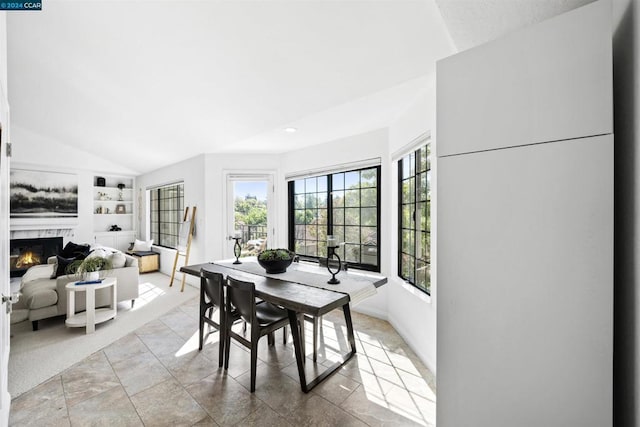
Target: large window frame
[
  {"x": 309, "y": 224},
  {"x": 414, "y": 218},
  {"x": 166, "y": 212}
]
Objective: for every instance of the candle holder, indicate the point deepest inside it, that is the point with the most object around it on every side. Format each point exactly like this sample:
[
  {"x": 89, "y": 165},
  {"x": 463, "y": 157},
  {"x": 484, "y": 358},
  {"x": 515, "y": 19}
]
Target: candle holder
[
  {"x": 331, "y": 252},
  {"x": 237, "y": 249}
]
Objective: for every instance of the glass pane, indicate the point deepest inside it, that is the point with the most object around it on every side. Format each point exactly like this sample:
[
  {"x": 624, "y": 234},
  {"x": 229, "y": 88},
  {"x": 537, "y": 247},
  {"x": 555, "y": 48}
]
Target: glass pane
[
  {"x": 298, "y": 246},
  {"x": 424, "y": 249},
  {"x": 352, "y": 234},
  {"x": 422, "y": 186},
  {"x": 408, "y": 194},
  {"x": 300, "y": 231},
  {"x": 352, "y": 253},
  {"x": 298, "y": 186},
  {"x": 421, "y": 157},
  {"x": 338, "y": 199},
  {"x": 369, "y": 197},
  {"x": 351, "y": 180},
  {"x": 322, "y": 216},
  {"x": 312, "y": 248},
  {"x": 412, "y": 164},
  {"x": 299, "y": 201},
  {"x": 352, "y": 198},
  {"x": 310, "y": 185},
  {"x": 369, "y": 178},
  {"x": 322, "y": 234},
  {"x": 338, "y": 216},
  {"x": 352, "y": 216},
  {"x": 311, "y": 201},
  {"x": 407, "y": 216},
  {"x": 428, "y": 154},
  {"x": 298, "y": 217},
  {"x": 322, "y": 250},
  {"x": 337, "y": 181},
  {"x": 429, "y": 185},
  {"x": 421, "y": 211},
  {"x": 310, "y": 216},
  {"x": 339, "y": 233},
  {"x": 369, "y": 236},
  {"x": 312, "y": 232},
  {"x": 406, "y": 241},
  {"x": 404, "y": 167},
  {"x": 368, "y": 216},
  {"x": 369, "y": 255},
  {"x": 421, "y": 274},
  {"x": 322, "y": 200},
  {"x": 322, "y": 184}
]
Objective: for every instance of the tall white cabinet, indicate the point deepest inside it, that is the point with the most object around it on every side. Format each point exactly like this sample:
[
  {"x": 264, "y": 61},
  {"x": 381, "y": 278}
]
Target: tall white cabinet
[{"x": 525, "y": 227}]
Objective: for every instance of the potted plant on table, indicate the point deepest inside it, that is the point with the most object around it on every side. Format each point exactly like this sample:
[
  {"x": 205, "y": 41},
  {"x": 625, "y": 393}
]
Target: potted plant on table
[
  {"x": 275, "y": 260},
  {"x": 90, "y": 268}
]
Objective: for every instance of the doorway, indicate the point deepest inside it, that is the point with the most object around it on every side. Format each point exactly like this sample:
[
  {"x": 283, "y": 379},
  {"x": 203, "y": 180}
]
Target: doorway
[{"x": 249, "y": 213}]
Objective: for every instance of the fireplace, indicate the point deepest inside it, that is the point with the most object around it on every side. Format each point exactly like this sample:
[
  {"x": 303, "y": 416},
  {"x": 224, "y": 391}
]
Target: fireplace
[{"x": 24, "y": 253}]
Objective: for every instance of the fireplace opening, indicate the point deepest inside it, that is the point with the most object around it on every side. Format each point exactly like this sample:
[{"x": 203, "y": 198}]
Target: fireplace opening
[{"x": 25, "y": 253}]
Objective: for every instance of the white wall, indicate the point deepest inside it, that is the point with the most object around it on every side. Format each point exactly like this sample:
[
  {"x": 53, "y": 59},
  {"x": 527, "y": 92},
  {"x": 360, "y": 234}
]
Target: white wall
[
  {"x": 626, "y": 83},
  {"x": 411, "y": 312},
  {"x": 192, "y": 173},
  {"x": 358, "y": 147}
]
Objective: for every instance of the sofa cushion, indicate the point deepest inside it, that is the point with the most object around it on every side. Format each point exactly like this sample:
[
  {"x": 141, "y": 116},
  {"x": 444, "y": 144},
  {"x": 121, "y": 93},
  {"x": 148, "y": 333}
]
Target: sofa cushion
[
  {"x": 39, "y": 293},
  {"x": 73, "y": 250},
  {"x": 118, "y": 260},
  {"x": 61, "y": 266}
]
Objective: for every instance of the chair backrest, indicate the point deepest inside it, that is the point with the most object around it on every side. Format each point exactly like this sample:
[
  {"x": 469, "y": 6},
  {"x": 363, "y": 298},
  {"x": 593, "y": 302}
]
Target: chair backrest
[
  {"x": 212, "y": 283},
  {"x": 241, "y": 296}
]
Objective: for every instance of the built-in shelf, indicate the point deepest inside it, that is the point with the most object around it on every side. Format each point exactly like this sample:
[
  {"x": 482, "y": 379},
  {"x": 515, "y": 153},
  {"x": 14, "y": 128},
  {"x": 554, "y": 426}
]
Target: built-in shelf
[{"x": 113, "y": 205}]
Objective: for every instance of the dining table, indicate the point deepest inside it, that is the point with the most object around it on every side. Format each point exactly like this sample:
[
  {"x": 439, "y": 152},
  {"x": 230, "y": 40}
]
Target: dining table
[{"x": 303, "y": 290}]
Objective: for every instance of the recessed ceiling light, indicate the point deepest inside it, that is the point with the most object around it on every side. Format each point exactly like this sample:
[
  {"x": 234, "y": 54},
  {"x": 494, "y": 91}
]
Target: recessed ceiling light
[{"x": 290, "y": 130}]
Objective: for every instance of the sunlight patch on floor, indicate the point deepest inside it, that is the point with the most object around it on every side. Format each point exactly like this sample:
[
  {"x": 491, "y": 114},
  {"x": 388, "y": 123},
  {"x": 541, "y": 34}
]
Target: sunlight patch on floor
[
  {"x": 147, "y": 293},
  {"x": 389, "y": 378}
]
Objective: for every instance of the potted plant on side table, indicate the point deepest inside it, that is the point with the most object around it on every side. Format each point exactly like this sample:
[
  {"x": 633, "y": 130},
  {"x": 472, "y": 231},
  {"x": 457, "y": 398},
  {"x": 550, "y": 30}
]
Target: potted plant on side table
[{"x": 90, "y": 268}]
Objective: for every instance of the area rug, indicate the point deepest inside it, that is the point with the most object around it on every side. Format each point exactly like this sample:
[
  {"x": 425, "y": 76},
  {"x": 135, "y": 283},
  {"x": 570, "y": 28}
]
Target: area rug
[{"x": 34, "y": 357}]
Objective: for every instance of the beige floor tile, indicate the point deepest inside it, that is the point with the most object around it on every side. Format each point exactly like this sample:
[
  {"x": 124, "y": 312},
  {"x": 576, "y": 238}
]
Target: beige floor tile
[
  {"x": 180, "y": 322},
  {"x": 43, "y": 405},
  {"x": 128, "y": 346},
  {"x": 336, "y": 389},
  {"x": 265, "y": 417},
  {"x": 110, "y": 408},
  {"x": 190, "y": 367},
  {"x": 140, "y": 372},
  {"x": 168, "y": 403},
  {"x": 88, "y": 378},
  {"x": 317, "y": 411},
  {"x": 224, "y": 399}
]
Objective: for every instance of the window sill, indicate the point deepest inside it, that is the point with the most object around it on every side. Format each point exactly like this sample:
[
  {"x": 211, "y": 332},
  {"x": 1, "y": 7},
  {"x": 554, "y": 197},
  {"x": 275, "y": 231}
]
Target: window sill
[{"x": 414, "y": 291}]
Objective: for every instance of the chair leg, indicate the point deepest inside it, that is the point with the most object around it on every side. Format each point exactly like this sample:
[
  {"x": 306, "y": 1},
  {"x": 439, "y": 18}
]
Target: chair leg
[
  {"x": 254, "y": 363},
  {"x": 133, "y": 302},
  {"x": 227, "y": 344},
  {"x": 271, "y": 339},
  {"x": 201, "y": 332},
  {"x": 221, "y": 341}
]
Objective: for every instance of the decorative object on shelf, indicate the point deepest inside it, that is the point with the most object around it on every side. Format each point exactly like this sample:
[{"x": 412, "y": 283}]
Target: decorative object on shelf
[
  {"x": 90, "y": 267},
  {"x": 103, "y": 196},
  {"x": 106, "y": 210},
  {"x": 115, "y": 227},
  {"x": 237, "y": 249},
  {"x": 121, "y": 209},
  {"x": 100, "y": 181},
  {"x": 99, "y": 210},
  {"x": 276, "y": 261},
  {"x": 120, "y": 188},
  {"x": 332, "y": 245}
]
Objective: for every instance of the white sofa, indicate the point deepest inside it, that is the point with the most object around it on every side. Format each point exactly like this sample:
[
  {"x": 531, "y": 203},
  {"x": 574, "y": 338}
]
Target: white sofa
[{"x": 42, "y": 297}]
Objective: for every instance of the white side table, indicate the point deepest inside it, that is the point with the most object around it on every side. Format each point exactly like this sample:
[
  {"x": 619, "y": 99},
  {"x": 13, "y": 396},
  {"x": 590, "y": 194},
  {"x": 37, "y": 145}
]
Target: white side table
[{"x": 91, "y": 316}]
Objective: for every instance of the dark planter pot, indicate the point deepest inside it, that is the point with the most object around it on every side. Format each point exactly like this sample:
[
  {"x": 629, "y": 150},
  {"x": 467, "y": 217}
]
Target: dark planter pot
[{"x": 276, "y": 266}]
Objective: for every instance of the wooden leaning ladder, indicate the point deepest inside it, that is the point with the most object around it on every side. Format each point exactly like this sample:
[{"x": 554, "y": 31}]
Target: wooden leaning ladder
[{"x": 184, "y": 243}]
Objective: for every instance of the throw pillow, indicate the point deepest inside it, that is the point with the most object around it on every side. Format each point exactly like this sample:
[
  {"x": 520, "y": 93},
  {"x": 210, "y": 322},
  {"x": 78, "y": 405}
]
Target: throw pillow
[
  {"x": 73, "y": 250},
  {"x": 61, "y": 266},
  {"x": 99, "y": 253},
  {"x": 118, "y": 260},
  {"x": 142, "y": 246}
]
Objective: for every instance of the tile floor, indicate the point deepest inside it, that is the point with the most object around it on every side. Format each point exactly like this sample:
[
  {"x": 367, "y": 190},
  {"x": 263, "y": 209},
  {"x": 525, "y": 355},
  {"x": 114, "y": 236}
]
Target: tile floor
[{"x": 156, "y": 376}]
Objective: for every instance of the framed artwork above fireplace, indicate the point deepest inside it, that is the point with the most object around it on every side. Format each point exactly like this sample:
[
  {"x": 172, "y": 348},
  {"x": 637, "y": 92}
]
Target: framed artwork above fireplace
[{"x": 43, "y": 197}]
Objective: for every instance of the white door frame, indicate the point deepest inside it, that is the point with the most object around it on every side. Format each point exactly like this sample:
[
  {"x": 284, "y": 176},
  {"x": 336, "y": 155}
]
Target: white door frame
[
  {"x": 5, "y": 320},
  {"x": 230, "y": 176}
]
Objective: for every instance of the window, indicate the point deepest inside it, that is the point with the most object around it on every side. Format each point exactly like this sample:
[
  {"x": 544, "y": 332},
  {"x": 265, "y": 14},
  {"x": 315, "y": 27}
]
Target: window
[
  {"x": 345, "y": 204},
  {"x": 167, "y": 210},
  {"x": 414, "y": 194}
]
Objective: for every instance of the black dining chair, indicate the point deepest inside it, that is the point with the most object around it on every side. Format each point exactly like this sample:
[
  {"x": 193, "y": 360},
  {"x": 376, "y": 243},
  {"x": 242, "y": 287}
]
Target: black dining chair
[
  {"x": 264, "y": 318},
  {"x": 211, "y": 297}
]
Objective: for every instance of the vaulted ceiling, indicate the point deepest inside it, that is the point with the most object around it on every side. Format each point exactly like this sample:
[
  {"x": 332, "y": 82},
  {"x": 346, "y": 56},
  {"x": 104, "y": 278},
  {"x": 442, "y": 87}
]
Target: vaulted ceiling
[{"x": 149, "y": 83}]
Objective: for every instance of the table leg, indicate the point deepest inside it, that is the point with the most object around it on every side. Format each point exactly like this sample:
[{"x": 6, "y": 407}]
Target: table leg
[
  {"x": 91, "y": 310},
  {"x": 306, "y": 387},
  {"x": 71, "y": 303}
]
